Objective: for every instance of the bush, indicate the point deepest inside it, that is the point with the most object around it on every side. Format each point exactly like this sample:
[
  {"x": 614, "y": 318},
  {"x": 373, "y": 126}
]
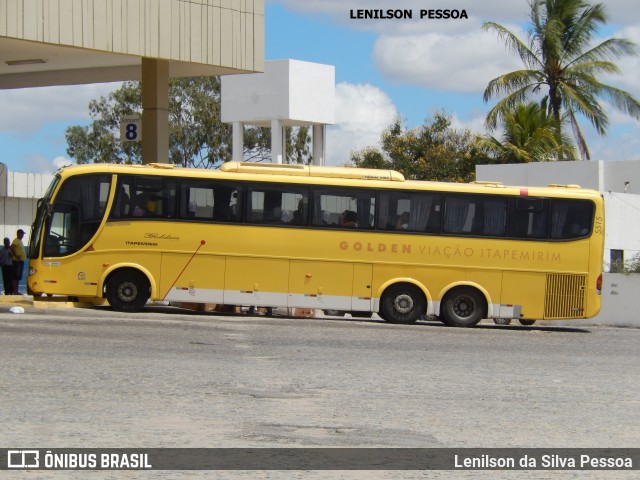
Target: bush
[{"x": 630, "y": 266}]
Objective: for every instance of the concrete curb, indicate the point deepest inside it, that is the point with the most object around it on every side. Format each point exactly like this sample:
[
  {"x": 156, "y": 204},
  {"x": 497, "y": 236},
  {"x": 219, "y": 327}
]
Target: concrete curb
[
  {"x": 29, "y": 301},
  {"x": 22, "y": 300}
]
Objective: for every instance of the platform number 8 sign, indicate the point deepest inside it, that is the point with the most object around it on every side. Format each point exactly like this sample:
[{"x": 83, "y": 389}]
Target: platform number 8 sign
[{"x": 130, "y": 128}]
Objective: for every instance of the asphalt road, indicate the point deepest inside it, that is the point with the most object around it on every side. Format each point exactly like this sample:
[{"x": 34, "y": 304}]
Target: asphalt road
[{"x": 168, "y": 378}]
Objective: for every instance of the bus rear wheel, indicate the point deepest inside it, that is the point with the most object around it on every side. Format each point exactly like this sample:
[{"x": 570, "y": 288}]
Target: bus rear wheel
[
  {"x": 128, "y": 291},
  {"x": 403, "y": 303},
  {"x": 463, "y": 307}
]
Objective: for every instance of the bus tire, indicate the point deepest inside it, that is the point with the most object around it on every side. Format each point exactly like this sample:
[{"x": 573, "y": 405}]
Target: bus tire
[
  {"x": 402, "y": 303},
  {"x": 527, "y": 323},
  {"x": 128, "y": 290},
  {"x": 463, "y": 307}
]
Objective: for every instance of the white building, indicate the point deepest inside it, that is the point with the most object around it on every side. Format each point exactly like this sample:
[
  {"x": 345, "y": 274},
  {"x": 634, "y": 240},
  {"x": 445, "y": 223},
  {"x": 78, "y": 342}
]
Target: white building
[
  {"x": 19, "y": 194},
  {"x": 288, "y": 93}
]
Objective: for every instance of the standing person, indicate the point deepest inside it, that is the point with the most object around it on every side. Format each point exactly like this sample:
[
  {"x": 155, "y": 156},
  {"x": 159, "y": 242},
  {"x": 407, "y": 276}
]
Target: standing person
[
  {"x": 7, "y": 266},
  {"x": 18, "y": 257}
]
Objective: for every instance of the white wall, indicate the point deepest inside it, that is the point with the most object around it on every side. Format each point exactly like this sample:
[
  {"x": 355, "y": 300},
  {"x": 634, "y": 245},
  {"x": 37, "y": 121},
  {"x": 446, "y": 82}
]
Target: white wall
[
  {"x": 19, "y": 194},
  {"x": 293, "y": 91},
  {"x": 622, "y": 224},
  {"x": 605, "y": 176},
  {"x": 619, "y": 304}
]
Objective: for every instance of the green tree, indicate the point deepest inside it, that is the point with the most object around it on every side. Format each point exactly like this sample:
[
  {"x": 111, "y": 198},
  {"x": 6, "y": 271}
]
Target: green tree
[
  {"x": 99, "y": 142},
  {"x": 433, "y": 151},
  {"x": 298, "y": 145},
  {"x": 562, "y": 63},
  {"x": 197, "y": 136},
  {"x": 529, "y": 135}
]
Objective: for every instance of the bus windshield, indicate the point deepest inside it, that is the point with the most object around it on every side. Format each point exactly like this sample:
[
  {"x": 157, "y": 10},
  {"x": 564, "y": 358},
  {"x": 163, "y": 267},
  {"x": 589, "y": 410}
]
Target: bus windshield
[
  {"x": 41, "y": 215},
  {"x": 73, "y": 219}
]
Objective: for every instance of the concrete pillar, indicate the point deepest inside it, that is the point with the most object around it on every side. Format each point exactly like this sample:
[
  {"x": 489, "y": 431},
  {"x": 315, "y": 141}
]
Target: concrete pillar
[
  {"x": 237, "y": 146},
  {"x": 318, "y": 144},
  {"x": 276, "y": 141},
  {"x": 284, "y": 144},
  {"x": 155, "y": 111}
]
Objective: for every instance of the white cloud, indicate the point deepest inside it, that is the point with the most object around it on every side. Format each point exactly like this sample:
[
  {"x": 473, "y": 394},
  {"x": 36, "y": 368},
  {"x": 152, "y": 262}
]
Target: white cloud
[
  {"x": 622, "y": 141},
  {"x": 28, "y": 109},
  {"x": 616, "y": 146},
  {"x": 628, "y": 78},
  {"x": 462, "y": 63},
  {"x": 622, "y": 12},
  {"x": 61, "y": 161},
  {"x": 454, "y": 55},
  {"x": 474, "y": 123},
  {"x": 362, "y": 113},
  {"x": 41, "y": 164}
]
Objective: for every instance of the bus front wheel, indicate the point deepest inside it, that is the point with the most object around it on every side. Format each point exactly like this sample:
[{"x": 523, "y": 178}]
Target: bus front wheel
[
  {"x": 403, "y": 303},
  {"x": 463, "y": 307},
  {"x": 128, "y": 291}
]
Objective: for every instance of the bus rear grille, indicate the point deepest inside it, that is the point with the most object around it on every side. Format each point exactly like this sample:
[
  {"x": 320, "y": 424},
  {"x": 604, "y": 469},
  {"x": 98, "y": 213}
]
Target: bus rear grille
[{"x": 565, "y": 296}]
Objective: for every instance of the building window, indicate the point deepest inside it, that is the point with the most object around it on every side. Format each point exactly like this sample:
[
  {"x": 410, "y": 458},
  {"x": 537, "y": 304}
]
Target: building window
[{"x": 617, "y": 260}]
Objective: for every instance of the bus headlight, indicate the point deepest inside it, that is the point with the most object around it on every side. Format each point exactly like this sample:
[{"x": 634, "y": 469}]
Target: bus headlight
[{"x": 32, "y": 271}]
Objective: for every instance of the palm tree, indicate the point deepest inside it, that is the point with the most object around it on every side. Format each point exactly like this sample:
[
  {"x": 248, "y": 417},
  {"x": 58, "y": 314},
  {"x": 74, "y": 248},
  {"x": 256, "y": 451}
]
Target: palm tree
[
  {"x": 562, "y": 64},
  {"x": 529, "y": 136}
]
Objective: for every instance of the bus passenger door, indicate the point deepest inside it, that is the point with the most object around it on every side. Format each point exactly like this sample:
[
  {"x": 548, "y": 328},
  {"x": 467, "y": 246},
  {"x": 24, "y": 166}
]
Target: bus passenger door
[{"x": 320, "y": 284}]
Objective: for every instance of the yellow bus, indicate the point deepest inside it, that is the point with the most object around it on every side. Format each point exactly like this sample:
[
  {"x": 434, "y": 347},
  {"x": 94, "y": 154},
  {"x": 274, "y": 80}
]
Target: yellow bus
[{"x": 328, "y": 238}]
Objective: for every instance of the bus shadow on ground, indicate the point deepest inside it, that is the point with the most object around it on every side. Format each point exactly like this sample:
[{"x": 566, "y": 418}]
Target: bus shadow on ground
[{"x": 434, "y": 323}]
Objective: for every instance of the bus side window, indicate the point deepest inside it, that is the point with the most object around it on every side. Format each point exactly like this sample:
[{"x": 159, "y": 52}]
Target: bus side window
[
  {"x": 410, "y": 211},
  {"x": 207, "y": 201},
  {"x": 140, "y": 196},
  {"x": 277, "y": 204},
  {"x": 459, "y": 212},
  {"x": 346, "y": 209},
  {"x": 121, "y": 204},
  {"x": 495, "y": 216},
  {"x": 528, "y": 218},
  {"x": 571, "y": 218}
]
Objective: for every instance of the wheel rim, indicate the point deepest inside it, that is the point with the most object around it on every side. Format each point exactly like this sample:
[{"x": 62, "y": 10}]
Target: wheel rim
[
  {"x": 403, "y": 303},
  {"x": 127, "y": 292},
  {"x": 464, "y": 306}
]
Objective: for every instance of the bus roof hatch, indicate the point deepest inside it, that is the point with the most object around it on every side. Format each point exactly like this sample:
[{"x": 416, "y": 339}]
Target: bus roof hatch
[{"x": 312, "y": 171}]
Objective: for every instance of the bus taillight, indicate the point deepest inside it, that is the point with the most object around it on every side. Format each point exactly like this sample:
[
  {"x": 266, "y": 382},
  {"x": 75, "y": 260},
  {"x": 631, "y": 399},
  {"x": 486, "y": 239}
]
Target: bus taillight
[{"x": 599, "y": 285}]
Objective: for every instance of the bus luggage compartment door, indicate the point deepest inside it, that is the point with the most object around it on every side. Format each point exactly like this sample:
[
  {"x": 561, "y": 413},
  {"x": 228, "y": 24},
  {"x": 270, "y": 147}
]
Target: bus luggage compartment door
[
  {"x": 256, "y": 281},
  {"x": 184, "y": 278},
  {"x": 320, "y": 284},
  {"x": 361, "y": 297}
]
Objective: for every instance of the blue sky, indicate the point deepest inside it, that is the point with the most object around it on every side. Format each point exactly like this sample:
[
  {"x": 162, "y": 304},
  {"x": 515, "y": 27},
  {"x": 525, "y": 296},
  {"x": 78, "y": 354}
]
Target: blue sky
[{"x": 384, "y": 69}]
